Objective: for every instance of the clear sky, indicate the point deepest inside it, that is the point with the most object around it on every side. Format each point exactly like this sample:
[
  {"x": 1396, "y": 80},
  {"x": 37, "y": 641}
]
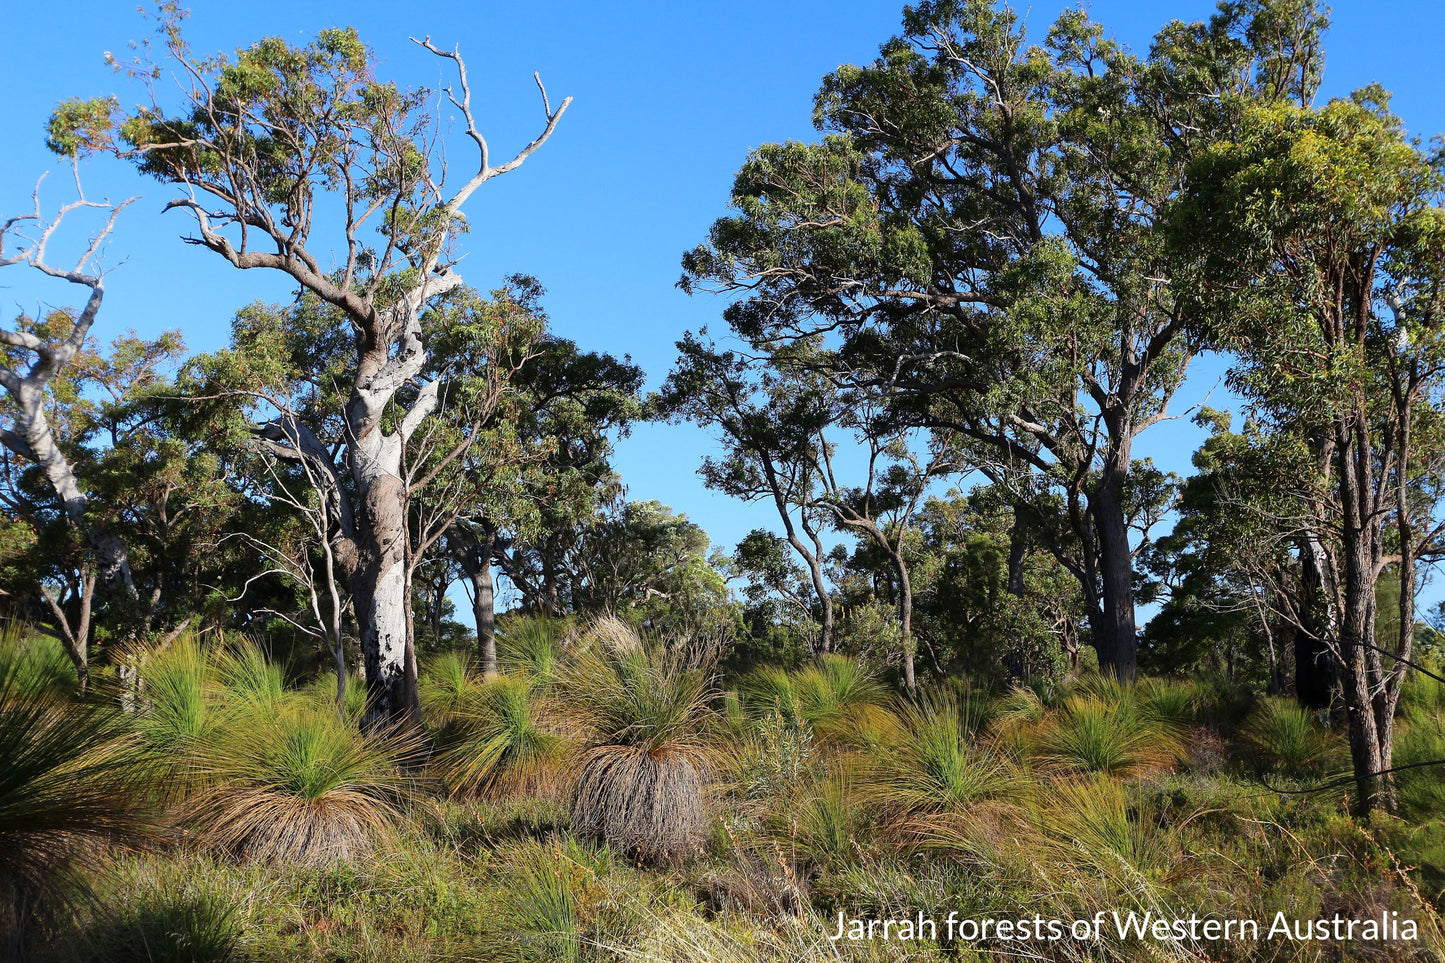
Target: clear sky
[{"x": 669, "y": 98}]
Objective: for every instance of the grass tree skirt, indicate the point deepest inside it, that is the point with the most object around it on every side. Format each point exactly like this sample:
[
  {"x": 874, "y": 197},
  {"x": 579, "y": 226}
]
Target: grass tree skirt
[{"x": 652, "y": 806}]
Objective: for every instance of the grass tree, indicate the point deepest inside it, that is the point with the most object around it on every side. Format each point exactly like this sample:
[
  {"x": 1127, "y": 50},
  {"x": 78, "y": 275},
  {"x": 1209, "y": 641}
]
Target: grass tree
[
  {"x": 644, "y": 712},
  {"x": 264, "y": 149},
  {"x": 72, "y": 779}
]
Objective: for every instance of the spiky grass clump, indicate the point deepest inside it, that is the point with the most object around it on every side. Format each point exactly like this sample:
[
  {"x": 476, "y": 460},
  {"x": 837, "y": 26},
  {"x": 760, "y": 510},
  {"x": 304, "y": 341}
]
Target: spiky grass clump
[
  {"x": 174, "y": 693},
  {"x": 1283, "y": 736},
  {"x": 168, "y": 921},
  {"x": 1110, "y": 846},
  {"x": 1172, "y": 704},
  {"x": 829, "y": 822},
  {"x": 939, "y": 783},
  {"x": 71, "y": 778},
  {"x": 531, "y": 645},
  {"x": 447, "y": 682},
  {"x": 503, "y": 742},
  {"x": 298, "y": 785},
  {"x": 36, "y": 663},
  {"x": 1108, "y": 733},
  {"x": 644, "y": 713},
  {"x": 545, "y": 889},
  {"x": 828, "y": 694}
]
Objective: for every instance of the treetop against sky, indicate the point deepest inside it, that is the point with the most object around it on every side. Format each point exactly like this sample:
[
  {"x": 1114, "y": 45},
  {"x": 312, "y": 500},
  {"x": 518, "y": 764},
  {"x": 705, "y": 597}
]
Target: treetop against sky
[{"x": 668, "y": 100}]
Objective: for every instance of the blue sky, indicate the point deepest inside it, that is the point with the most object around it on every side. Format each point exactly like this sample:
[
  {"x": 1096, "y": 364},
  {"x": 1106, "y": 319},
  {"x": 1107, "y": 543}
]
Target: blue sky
[{"x": 668, "y": 100}]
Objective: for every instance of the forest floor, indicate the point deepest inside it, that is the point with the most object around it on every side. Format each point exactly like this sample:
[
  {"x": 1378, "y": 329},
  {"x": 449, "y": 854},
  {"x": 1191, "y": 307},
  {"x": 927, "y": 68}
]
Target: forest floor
[{"x": 969, "y": 820}]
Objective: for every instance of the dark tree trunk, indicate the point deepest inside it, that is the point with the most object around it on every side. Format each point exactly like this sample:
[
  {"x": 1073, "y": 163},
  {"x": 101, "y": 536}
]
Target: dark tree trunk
[
  {"x": 1114, "y": 628},
  {"x": 1018, "y": 547},
  {"x": 1314, "y": 674}
]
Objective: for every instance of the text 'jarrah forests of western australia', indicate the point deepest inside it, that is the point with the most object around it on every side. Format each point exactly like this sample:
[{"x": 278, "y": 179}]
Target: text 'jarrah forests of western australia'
[{"x": 1388, "y": 927}]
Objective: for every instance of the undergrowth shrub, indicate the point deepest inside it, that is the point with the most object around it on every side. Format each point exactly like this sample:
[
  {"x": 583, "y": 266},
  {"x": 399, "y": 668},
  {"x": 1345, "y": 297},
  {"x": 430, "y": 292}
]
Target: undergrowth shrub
[
  {"x": 939, "y": 784},
  {"x": 72, "y": 780},
  {"x": 1103, "y": 729},
  {"x": 504, "y": 742},
  {"x": 1284, "y": 736},
  {"x": 174, "y": 920}
]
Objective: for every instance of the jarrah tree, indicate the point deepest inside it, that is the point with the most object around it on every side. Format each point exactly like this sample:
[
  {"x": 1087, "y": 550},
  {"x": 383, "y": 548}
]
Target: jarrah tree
[
  {"x": 568, "y": 407},
  {"x": 978, "y": 238},
  {"x": 267, "y": 147},
  {"x": 1321, "y": 244}
]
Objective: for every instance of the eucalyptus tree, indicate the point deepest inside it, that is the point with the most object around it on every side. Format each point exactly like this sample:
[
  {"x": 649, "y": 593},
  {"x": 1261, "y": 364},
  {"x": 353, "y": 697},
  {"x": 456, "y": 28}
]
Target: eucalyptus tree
[
  {"x": 264, "y": 149},
  {"x": 36, "y": 357},
  {"x": 769, "y": 423},
  {"x": 1320, "y": 264},
  {"x": 978, "y": 238},
  {"x": 563, "y": 409}
]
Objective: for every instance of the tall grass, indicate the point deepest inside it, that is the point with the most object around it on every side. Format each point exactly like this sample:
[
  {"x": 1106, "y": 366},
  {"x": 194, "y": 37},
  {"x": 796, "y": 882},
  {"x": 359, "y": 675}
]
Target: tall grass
[
  {"x": 175, "y": 682},
  {"x": 1284, "y": 737},
  {"x": 446, "y": 682},
  {"x": 530, "y": 644},
  {"x": 1106, "y": 730},
  {"x": 829, "y": 694},
  {"x": 939, "y": 784}
]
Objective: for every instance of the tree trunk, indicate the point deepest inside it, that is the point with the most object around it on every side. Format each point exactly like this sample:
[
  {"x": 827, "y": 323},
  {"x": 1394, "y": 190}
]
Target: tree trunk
[
  {"x": 380, "y": 583},
  {"x": 1314, "y": 675},
  {"x": 814, "y": 560},
  {"x": 484, "y": 605},
  {"x": 1018, "y": 547},
  {"x": 905, "y": 621},
  {"x": 1362, "y": 669},
  {"x": 1115, "y": 632}
]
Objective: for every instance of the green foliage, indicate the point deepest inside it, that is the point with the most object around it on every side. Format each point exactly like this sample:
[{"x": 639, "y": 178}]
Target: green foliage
[
  {"x": 505, "y": 742},
  {"x": 530, "y": 645},
  {"x": 1104, "y": 729},
  {"x": 1285, "y": 737},
  {"x": 296, "y": 783},
  {"x": 72, "y": 779}
]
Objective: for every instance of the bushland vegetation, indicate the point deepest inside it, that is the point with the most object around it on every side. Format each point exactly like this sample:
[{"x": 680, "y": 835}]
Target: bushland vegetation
[{"x": 990, "y": 660}]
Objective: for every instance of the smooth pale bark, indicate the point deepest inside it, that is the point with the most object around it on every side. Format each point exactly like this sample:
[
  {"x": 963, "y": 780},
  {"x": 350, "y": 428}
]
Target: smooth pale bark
[
  {"x": 33, "y": 438},
  {"x": 379, "y": 584},
  {"x": 814, "y": 560}
]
